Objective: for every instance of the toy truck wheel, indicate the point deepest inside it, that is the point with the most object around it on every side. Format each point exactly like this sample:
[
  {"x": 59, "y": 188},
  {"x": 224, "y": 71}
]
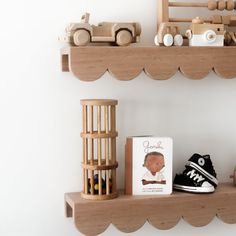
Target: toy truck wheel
[
  {"x": 168, "y": 40},
  {"x": 123, "y": 38},
  {"x": 81, "y": 37},
  {"x": 178, "y": 40},
  {"x": 156, "y": 40}
]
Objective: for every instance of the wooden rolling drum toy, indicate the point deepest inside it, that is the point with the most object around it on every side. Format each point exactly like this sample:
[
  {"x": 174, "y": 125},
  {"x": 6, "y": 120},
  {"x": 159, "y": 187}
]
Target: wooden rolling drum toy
[{"x": 99, "y": 149}]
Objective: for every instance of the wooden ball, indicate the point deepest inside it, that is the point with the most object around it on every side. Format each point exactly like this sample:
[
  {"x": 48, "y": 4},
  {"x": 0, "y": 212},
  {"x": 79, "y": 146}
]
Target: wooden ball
[
  {"x": 230, "y": 5},
  {"x": 212, "y": 5},
  {"x": 221, "y": 5},
  {"x": 96, "y": 186}
]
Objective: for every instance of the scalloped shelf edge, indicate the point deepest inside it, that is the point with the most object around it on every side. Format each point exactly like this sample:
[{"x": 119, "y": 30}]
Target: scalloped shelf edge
[
  {"x": 159, "y": 63},
  {"x": 129, "y": 213}
]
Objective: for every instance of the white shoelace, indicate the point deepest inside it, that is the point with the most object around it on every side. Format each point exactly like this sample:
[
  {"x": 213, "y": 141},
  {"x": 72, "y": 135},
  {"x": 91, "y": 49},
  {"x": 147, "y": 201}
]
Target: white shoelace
[{"x": 195, "y": 176}]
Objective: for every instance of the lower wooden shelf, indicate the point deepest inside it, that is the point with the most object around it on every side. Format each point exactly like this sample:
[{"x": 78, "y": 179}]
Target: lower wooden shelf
[{"x": 129, "y": 213}]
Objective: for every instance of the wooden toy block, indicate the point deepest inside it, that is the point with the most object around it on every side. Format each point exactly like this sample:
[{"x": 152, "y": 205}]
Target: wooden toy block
[
  {"x": 217, "y": 19},
  {"x": 99, "y": 149},
  {"x": 225, "y": 20},
  {"x": 232, "y": 20}
]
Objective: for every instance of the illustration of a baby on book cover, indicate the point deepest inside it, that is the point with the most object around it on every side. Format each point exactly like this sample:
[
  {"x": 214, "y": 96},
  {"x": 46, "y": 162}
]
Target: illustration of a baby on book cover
[{"x": 152, "y": 165}]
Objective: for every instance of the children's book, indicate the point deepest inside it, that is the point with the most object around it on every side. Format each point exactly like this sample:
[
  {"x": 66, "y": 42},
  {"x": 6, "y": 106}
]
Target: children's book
[{"x": 148, "y": 165}]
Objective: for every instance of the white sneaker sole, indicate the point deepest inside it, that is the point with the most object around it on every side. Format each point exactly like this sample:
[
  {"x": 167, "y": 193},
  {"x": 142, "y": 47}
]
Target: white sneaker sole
[
  {"x": 209, "y": 189},
  {"x": 202, "y": 171}
]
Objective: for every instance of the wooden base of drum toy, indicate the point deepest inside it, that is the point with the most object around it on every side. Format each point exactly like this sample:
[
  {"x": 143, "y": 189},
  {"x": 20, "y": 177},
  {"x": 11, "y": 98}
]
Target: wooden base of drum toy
[{"x": 99, "y": 197}]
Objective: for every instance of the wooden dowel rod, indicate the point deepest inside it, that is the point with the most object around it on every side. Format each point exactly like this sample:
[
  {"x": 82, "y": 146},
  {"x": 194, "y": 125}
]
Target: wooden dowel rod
[
  {"x": 188, "y": 4},
  {"x": 91, "y": 119},
  {"x": 91, "y": 131},
  {"x": 113, "y": 118},
  {"x": 113, "y": 176},
  {"x": 186, "y": 20},
  {"x": 99, "y": 119},
  {"x": 99, "y": 139},
  {"x": 92, "y": 182},
  {"x": 106, "y": 120},
  {"x": 99, "y": 152},
  {"x": 84, "y": 119},
  {"x": 107, "y": 183},
  {"x": 162, "y": 12},
  {"x": 85, "y": 160},
  {"x": 85, "y": 148},
  {"x": 106, "y": 125},
  {"x": 100, "y": 182},
  {"x": 113, "y": 152},
  {"x": 85, "y": 181}
]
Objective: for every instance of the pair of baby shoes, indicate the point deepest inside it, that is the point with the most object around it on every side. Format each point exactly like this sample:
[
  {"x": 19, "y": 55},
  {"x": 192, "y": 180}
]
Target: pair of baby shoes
[{"x": 199, "y": 176}]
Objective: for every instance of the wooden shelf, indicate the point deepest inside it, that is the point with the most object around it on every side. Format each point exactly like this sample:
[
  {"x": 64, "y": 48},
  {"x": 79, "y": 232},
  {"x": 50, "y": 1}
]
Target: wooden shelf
[
  {"x": 129, "y": 213},
  {"x": 159, "y": 63}
]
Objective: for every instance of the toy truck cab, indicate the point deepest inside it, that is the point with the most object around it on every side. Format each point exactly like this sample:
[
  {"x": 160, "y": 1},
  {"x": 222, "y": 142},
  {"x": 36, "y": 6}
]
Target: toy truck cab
[
  {"x": 123, "y": 34},
  {"x": 169, "y": 34},
  {"x": 205, "y": 34}
]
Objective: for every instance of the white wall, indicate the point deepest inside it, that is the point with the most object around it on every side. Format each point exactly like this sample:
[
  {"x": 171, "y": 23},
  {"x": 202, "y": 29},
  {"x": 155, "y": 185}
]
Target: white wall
[{"x": 40, "y": 116}]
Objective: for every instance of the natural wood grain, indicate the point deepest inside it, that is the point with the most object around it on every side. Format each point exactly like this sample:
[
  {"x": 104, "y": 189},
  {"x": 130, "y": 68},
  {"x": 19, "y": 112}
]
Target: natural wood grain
[
  {"x": 188, "y": 4},
  {"x": 162, "y": 11},
  {"x": 103, "y": 166},
  {"x": 128, "y": 166},
  {"x": 99, "y": 102},
  {"x": 99, "y": 162},
  {"x": 129, "y": 213},
  {"x": 89, "y": 63}
]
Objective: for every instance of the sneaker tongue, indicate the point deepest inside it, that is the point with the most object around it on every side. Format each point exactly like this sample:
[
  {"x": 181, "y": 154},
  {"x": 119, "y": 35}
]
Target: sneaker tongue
[{"x": 195, "y": 155}]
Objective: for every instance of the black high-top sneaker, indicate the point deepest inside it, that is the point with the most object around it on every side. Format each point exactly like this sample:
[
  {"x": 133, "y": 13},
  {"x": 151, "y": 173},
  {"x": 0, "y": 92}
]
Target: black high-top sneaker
[
  {"x": 203, "y": 164},
  {"x": 192, "y": 181}
]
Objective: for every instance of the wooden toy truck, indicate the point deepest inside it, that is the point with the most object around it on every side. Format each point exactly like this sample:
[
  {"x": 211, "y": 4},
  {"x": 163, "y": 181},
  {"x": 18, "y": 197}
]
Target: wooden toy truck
[
  {"x": 168, "y": 35},
  {"x": 122, "y": 34}
]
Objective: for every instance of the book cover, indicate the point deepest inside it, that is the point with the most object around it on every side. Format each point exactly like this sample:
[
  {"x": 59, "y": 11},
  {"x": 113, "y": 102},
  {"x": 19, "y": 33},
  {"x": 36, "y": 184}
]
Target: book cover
[{"x": 148, "y": 165}]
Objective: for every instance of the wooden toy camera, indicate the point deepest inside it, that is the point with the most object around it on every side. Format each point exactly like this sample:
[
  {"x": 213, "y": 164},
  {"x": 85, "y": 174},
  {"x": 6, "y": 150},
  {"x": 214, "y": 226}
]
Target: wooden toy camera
[{"x": 205, "y": 34}]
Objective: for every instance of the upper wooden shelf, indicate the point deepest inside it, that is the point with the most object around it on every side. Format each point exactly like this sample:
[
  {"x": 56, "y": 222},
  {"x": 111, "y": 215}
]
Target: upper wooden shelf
[
  {"x": 159, "y": 63},
  {"x": 129, "y": 213}
]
